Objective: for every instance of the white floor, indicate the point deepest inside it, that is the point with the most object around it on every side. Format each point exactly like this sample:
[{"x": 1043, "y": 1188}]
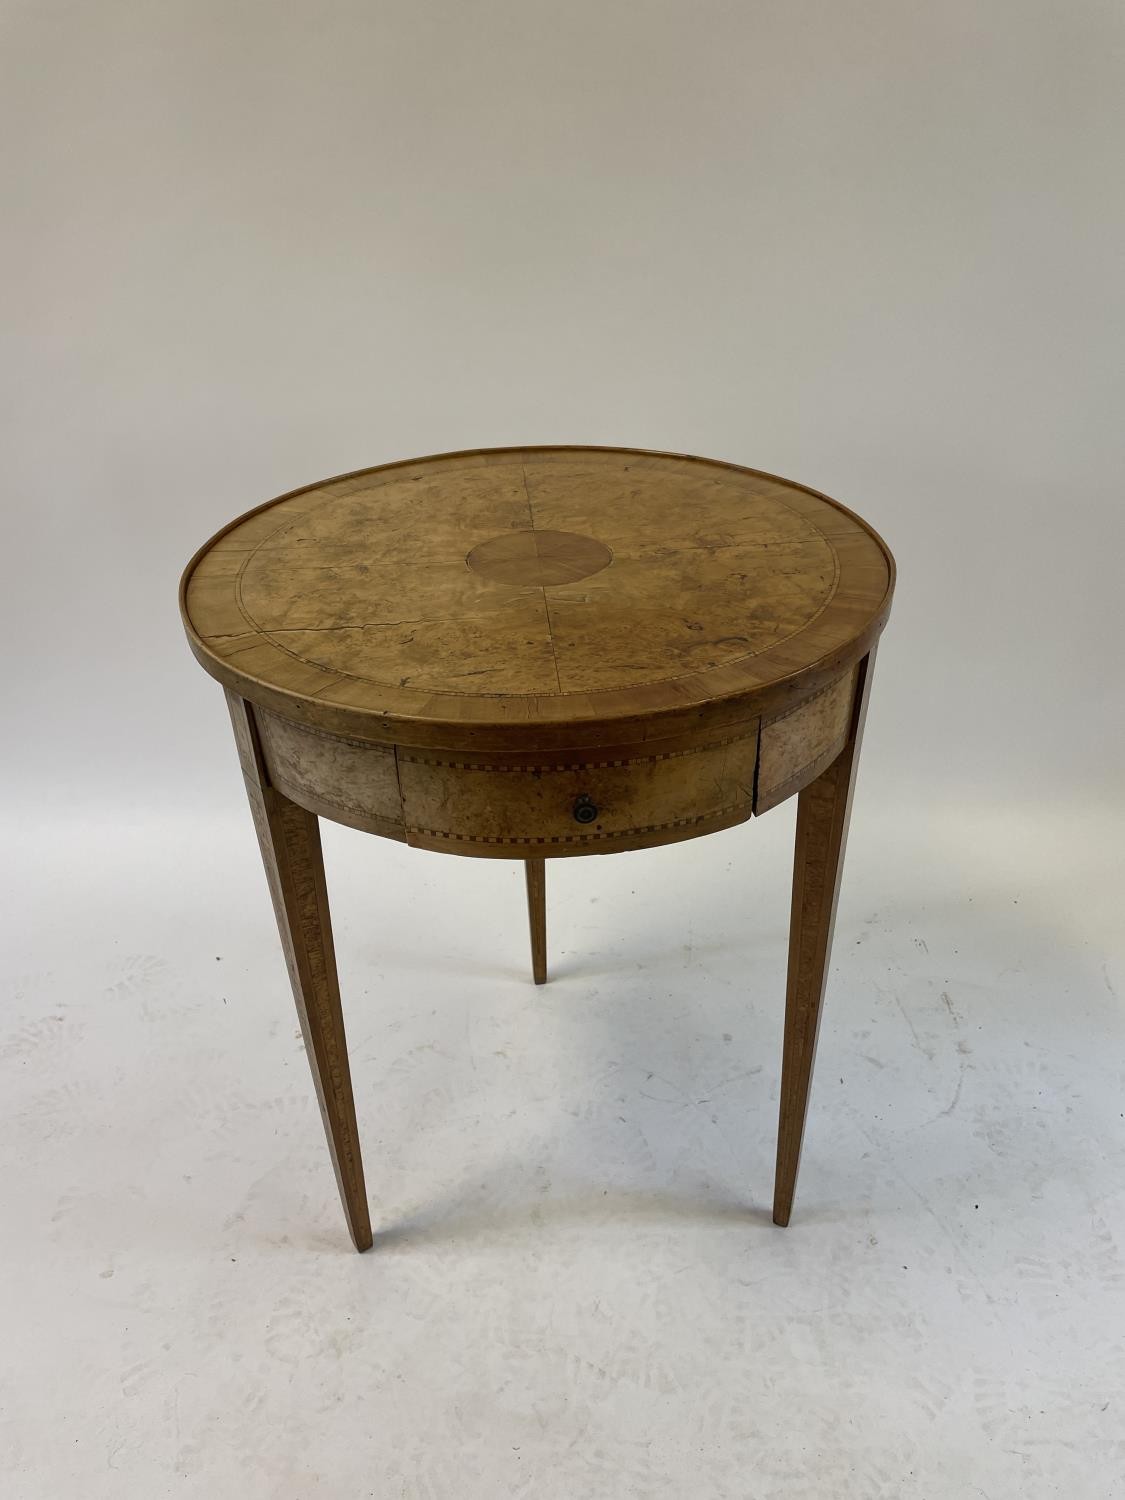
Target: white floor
[{"x": 576, "y": 1290}]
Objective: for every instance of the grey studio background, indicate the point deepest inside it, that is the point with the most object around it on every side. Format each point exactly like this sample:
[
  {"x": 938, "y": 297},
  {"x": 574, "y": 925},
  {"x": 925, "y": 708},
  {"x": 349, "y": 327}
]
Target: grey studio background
[{"x": 871, "y": 246}]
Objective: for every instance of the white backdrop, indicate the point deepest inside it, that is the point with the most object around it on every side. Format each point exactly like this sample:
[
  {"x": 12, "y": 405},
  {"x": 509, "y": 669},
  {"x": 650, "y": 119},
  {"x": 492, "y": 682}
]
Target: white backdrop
[{"x": 874, "y": 246}]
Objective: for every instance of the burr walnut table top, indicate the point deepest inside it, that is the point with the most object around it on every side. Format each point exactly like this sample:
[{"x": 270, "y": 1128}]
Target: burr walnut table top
[{"x": 520, "y": 598}]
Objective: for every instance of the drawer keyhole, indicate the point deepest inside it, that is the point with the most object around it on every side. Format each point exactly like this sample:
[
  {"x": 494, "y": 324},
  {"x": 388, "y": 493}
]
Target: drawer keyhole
[{"x": 585, "y": 810}]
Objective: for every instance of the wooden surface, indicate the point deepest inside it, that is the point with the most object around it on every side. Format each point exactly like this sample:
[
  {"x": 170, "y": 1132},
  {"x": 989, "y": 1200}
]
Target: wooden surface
[
  {"x": 823, "y": 814},
  {"x": 537, "y": 598},
  {"x": 534, "y": 653},
  {"x": 537, "y": 917},
  {"x": 521, "y": 807},
  {"x": 289, "y": 838},
  {"x": 797, "y": 745}
]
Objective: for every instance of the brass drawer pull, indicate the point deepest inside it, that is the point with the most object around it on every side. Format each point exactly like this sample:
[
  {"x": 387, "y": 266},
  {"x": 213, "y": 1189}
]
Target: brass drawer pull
[{"x": 585, "y": 810}]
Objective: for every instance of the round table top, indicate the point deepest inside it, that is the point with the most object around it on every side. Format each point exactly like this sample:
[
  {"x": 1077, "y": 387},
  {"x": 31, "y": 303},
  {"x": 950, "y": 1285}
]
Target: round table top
[{"x": 522, "y": 597}]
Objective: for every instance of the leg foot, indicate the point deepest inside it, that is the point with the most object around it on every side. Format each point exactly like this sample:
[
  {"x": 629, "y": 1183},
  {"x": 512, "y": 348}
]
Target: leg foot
[{"x": 537, "y": 916}]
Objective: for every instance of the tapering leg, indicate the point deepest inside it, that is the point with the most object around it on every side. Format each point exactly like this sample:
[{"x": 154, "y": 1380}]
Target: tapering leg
[
  {"x": 537, "y": 915},
  {"x": 823, "y": 810},
  {"x": 290, "y": 842}
]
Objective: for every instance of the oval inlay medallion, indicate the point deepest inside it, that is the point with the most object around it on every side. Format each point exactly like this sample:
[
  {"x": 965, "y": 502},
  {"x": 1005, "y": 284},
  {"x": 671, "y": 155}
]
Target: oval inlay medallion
[{"x": 545, "y": 558}]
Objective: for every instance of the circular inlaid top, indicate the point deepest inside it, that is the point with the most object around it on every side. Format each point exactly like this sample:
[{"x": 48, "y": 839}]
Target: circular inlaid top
[{"x": 530, "y": 597}]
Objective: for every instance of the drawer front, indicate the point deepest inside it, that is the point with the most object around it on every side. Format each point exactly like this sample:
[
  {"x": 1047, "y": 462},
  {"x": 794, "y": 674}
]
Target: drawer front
[
  {"x": 562, "y": 804},
  {"x": 800, "y": 744}
]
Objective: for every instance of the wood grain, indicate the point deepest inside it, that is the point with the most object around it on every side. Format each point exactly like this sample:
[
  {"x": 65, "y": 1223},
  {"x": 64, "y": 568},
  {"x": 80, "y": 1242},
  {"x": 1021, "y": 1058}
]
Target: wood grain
[
  {"x": 290, "y": 845},
  {"x": 515, "y": 598},
  {"x": 520, "y": 808},
  {"x": 537, "y": 917},
  {"x": 823, "y": 814},
  {"x": 350, "y": 781},
  {"x": 801, "y": 743},
  {"x": 539, "y": 558}
]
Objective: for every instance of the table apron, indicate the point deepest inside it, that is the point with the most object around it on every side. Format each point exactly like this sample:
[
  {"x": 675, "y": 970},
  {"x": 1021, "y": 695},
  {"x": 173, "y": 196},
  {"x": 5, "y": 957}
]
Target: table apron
[{"x": 560, "y": 802}]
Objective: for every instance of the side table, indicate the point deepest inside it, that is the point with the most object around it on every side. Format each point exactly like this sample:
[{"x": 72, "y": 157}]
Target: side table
[{"x": 532, "y": 653}]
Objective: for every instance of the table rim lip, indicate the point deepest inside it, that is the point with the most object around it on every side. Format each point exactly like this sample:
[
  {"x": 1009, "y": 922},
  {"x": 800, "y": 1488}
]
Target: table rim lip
[{"x": 466, "y": 728}]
